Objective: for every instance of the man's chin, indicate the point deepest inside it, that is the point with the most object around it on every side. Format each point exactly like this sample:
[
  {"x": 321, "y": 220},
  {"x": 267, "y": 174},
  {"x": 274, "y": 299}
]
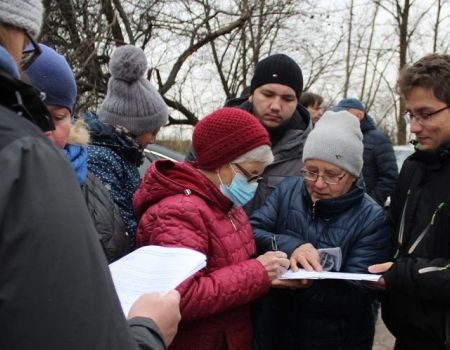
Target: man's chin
[{"x": 272, "y": 123}]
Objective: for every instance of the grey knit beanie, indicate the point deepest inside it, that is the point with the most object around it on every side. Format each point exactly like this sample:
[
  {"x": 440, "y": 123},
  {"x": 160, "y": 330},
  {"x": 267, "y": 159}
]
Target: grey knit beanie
[
  {"x": 24, "y": 14},
  {"x": 337, "y": 139},
  {"x": 131, "y": 100}
]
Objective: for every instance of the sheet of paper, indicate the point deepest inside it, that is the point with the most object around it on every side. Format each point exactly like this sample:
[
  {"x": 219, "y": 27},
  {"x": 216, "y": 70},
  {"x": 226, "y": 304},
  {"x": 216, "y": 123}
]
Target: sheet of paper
[
  {"x": 153, "y": 269},
  {"x": 302, "y": 274}
]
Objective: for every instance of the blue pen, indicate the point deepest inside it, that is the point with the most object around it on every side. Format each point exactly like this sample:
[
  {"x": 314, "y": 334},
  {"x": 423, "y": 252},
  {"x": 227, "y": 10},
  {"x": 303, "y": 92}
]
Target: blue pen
[{"x": 274, "y": 243}]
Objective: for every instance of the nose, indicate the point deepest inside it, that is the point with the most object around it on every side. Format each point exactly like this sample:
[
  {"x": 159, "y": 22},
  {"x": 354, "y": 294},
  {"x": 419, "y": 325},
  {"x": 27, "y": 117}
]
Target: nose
[
  {"x": 415, "y": 127},
  {"x": 320, "y": 183},
  {"x": 276, "y": 104}
]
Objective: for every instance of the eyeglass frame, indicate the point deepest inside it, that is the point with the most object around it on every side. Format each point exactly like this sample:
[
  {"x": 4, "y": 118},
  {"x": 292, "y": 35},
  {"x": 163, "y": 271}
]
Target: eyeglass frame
[
  {"x": 304, "y": 173},
  {"x": 250, "y": 178},
  {"x": 33, "y": 53},
  {"x": 424, "y": 118}
]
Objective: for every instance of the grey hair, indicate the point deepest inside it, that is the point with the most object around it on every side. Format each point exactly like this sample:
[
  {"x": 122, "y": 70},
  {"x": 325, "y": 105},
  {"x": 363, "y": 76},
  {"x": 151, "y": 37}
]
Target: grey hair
[{"x": 262, "y": 154}]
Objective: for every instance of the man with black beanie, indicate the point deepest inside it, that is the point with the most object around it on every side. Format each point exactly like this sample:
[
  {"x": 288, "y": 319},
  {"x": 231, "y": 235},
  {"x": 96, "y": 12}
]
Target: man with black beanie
[{"x": 274, "y": 93}]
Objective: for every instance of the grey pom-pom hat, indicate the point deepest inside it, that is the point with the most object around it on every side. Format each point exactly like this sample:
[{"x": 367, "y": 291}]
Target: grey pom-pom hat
[
  {"x": 336, "y": 139},
  {"x": 131, "y": 100},
  {"x": 24, "y": 14}
]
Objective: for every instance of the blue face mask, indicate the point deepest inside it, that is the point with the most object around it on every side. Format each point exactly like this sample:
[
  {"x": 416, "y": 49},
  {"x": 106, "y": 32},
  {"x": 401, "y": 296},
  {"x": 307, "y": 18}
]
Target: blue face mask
[{"x": 240, "y": 192}]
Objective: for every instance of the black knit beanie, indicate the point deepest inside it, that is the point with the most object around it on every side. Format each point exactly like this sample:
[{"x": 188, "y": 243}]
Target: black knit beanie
[{"x": 278, "y": 69}]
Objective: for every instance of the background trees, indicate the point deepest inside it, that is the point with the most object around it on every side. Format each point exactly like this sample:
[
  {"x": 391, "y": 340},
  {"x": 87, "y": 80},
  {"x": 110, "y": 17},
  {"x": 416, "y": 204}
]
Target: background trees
[{"x": 202, "y": 52}]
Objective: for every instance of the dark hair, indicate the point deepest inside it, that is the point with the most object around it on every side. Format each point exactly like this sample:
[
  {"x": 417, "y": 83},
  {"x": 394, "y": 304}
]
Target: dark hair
[
  {"x": 309, "y": 99},
  {"x": 431, "y": 72}
]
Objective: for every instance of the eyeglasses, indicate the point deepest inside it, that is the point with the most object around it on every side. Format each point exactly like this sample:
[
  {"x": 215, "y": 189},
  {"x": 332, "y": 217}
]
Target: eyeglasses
[
  {"x": 250, "y": 178},
  {"x": 328, "y": 179},
  {"x": 422, "y": 118},
  {"x": 29, "y": 55}
]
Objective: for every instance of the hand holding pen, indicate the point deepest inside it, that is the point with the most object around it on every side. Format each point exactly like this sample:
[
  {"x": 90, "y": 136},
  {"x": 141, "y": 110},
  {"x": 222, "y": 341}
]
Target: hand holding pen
[{"x": 275, "y": 262}]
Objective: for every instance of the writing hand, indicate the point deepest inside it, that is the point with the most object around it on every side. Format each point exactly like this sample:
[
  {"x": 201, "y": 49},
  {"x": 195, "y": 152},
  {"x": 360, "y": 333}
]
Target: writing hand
[{"x": 275, "y": 263}]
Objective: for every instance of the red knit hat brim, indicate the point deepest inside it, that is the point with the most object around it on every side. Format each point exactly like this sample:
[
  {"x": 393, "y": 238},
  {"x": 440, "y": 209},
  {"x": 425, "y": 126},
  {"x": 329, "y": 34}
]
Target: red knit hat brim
[{"x": 225, "y": 135}]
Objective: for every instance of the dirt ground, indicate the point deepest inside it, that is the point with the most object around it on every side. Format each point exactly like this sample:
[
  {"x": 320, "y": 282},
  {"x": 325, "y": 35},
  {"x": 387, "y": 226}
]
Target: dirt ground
[{"x": 383, "y": 338}]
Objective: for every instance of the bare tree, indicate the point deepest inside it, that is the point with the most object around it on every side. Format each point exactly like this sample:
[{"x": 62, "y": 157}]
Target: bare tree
[{"x": 401, "y": 14}]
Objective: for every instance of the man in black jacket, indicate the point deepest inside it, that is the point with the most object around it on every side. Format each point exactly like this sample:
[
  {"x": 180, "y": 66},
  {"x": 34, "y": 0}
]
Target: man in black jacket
[
  {"x": 416, "y": 301},
  {"x": 275, "y": 90},
  {"x": 56, "y": 291},
  {"x": 380, "y": 170}
]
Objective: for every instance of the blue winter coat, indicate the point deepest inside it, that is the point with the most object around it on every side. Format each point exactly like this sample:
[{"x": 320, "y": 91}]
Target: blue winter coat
[
  {"x": 380, "y": 168},
  {"x": 320, "y": 315},
  {"x": 113, "y": 159}
]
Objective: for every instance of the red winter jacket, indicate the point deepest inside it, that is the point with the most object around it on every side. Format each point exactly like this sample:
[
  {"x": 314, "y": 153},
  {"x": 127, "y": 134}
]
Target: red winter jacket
[{"x": 178, "y": 206}]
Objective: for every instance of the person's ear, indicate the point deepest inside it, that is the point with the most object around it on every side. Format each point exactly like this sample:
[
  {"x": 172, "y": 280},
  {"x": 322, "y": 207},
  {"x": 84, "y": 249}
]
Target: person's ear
[
  {"x": 250, "y": 98},
  {"x": 361, "y": 114}
]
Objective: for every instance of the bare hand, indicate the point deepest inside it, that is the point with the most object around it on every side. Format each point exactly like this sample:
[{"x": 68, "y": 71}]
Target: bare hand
[
  {"x": 291, "y": 284},
  {"x": 275, "y": 263},
  {"x": 379, "y": 269},
  {"x": 307, "y": 256},
  {"x": 164, "y": 310}
]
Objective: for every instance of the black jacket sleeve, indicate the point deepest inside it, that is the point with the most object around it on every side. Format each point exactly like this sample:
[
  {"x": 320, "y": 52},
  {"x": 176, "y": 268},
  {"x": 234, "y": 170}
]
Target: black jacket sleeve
[
  {"x": 56, "y": 291},
  {"x": 428, "y": 279}
]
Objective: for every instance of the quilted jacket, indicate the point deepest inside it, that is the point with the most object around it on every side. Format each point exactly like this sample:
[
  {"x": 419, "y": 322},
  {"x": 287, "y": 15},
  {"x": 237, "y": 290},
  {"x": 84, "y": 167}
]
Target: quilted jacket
[
  {"x": 380, "y": 168},
  {"x": 178, "y": 206},
  {"x": 335, "y": 313}
]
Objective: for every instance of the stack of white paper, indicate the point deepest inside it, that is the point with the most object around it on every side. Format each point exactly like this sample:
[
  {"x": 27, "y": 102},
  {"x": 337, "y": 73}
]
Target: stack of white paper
[
  {"x": 153, "y": 269},
  {"x": 303, "y": 274}
]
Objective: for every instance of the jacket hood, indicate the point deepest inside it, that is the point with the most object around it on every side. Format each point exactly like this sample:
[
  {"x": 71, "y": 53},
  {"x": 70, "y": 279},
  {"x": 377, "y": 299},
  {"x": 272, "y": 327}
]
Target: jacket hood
[
  {"x": 106, "y": 135},
  {"x": 165, "y": 178},
  {"x": 367, "y": 123}
]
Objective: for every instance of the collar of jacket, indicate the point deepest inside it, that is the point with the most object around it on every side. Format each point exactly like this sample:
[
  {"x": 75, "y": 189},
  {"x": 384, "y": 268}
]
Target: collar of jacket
[
  {"x": 7, "y": 63},
  {"x": 165, "y": 178},
  {"x": 434, "y": 159},
  {"x": 327, "y": 208},
  {"x": 367, "y": 123},
  {"x": 106, "y": 135},
  {"x": 25, "y": 100}
]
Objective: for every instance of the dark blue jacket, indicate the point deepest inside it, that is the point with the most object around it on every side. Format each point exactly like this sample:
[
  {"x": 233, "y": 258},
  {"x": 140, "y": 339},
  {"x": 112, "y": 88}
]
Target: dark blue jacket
[
  {"x": 380, "y": 168},
  {"x": 113, "y": 159},
  {"x": 353, "y": 222}
]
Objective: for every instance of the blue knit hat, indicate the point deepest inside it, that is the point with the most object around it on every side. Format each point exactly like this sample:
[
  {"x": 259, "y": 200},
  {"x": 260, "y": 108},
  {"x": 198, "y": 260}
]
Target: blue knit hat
[
  {"x": 348, "y": 103},
  {"x": 51, "y": 74}
]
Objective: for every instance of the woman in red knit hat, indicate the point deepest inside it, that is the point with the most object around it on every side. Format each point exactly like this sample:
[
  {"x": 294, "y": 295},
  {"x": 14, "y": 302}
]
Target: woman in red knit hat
[{"x": 199, "y": 206}]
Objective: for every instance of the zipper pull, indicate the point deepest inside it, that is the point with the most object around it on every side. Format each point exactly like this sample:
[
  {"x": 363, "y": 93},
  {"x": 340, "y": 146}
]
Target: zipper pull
[{"x": 232, "y": 222}]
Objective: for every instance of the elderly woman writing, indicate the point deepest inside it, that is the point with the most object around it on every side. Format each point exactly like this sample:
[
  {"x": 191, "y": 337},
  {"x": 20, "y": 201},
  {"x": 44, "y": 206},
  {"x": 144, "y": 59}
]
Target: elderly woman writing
[
  {"x": 313, "y": 218},
  {"x": 199, "y": 206}
]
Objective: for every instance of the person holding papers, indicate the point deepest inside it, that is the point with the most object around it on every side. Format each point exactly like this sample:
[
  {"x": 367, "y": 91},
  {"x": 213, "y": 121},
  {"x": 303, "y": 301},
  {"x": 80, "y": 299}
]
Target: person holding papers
[
  {"x": 198, "y": 205},
  {"x": 322, "y": 220},
  {"x": 56, "y": 291}
]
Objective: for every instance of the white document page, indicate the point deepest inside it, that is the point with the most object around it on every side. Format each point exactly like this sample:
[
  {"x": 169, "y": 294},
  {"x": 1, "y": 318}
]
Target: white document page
[
  {"x": 303, "y": 274},
  {"x": 153, "y": 269}
]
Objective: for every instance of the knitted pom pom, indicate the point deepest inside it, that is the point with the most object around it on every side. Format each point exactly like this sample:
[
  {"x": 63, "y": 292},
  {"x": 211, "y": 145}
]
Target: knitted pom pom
[{"x": 128, "y": 63}]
